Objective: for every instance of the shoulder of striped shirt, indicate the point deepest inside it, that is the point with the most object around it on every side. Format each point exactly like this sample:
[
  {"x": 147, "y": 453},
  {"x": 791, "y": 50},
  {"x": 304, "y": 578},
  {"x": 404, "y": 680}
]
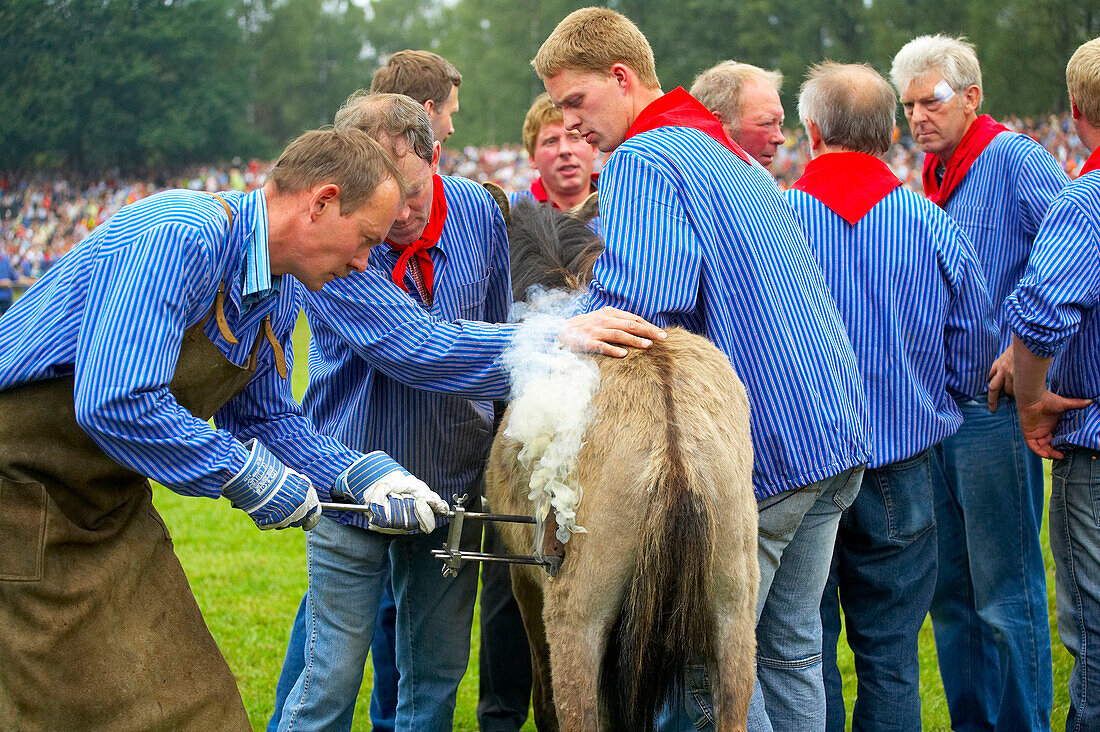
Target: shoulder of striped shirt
[
  {"x": 1084, "y": 194},
  {"x": 1018, "y": 145},
  {"x": 467, "y": 194}
]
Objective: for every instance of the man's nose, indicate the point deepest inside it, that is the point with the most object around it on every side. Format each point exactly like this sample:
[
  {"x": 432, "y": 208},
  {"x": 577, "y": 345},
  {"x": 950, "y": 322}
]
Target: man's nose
[
  {"x": 360, "y": 261},
  {"x": 406, "y": 213}
]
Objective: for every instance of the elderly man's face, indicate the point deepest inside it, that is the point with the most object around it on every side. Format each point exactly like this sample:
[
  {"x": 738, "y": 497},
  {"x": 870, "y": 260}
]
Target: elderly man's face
[
  {"x": 937, "y": 126},
  {"x": 563, "y": 159},
  {"x": 761, "y": 125},
  {"x": 418, "y": 173},
  {"x": 593, "y": 104}
]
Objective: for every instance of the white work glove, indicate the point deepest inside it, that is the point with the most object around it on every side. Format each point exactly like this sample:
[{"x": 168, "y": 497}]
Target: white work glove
[
  {"x": 272, "y": 494},
  {"x": 398, "y": 502}
]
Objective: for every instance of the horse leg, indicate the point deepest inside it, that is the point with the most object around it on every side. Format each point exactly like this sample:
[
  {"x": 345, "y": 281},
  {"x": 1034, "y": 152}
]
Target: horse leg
[
  {"x": 582, "y": 605},
  {"x": 528, "y": 594}
]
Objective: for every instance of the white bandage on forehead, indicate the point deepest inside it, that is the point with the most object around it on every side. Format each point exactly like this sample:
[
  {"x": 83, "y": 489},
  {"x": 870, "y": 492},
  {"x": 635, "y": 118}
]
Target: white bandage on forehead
[{"x": 943, "y": 92}]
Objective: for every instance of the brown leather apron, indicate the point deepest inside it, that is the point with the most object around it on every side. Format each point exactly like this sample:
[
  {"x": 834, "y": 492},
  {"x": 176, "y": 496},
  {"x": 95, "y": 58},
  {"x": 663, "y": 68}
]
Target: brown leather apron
[{"x": 98, "y": 625}]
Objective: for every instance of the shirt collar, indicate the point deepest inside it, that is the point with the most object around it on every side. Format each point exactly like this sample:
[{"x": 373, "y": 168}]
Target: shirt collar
[
  {"x": 1093, "y": 163},
  {"x": 540, "y": 194},
  {"x": 680, "y": 109},
  {"x": 849, "y": 183},
  {"x": 257, "y": 284}
]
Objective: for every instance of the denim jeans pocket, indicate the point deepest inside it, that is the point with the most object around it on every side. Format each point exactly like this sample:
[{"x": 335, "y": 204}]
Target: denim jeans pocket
[
  {"x": 699, "y": 698},
  {"x": 847, "y": 491},
  {"x": 1086, "y": 466},
  {"x": 781, "y": 515},
  {"x": 907, "y": 497}
]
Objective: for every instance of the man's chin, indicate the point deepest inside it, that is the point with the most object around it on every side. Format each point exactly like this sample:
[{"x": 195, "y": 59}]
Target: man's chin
[{"x": 569, "y": 186}]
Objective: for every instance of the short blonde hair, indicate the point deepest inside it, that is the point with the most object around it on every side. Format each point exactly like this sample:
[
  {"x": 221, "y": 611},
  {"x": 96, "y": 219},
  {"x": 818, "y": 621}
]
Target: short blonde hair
[
  {"x": 954, "y": 58},
  {"x": 719, "y": 88},
  {"x": 1083, "y": 80},
  {"x": 348, "y": 158},
  {"x": 542, "y": 113},
  {"x": 594, "y": 40}
]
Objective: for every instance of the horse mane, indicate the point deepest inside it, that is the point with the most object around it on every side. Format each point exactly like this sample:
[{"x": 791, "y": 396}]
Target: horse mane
[{"x": 549, "y": 248}]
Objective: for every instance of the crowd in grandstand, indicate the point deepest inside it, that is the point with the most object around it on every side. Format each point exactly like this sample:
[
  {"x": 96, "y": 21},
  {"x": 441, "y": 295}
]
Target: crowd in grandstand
[{"x": 45, "y": 214}]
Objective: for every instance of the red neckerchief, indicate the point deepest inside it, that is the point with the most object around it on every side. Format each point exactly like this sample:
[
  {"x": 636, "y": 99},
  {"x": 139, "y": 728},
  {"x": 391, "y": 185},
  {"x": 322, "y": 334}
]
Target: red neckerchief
[
  {"x": 680, "y": 109},
  {"x": 428, "y": 239},
  {"x": 1093, "y": 163},
  {"x": 538, "y": 191},
  {"x": 849, "y": 183},
  {"x": 980, "y": 133}
]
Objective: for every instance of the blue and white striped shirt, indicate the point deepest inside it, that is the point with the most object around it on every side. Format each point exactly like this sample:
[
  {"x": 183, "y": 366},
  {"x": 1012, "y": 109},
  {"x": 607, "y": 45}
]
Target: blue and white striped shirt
[
  {"x": 112, "y": 313},
  {"x": 913, "y": 298},
  {"x": 999, "y": 206},
  {"x": 376, "y": 356},
  {"x": 1054, "y": 308},
  {"x": 696, "y": 237}
]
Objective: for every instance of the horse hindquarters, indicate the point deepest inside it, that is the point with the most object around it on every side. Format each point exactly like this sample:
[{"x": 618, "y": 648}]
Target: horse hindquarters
[{"x": 671, "y": 523}]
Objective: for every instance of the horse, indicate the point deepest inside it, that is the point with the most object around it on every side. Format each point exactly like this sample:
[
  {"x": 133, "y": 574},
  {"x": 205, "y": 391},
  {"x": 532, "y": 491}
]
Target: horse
[{"x": 666, "y": 573}]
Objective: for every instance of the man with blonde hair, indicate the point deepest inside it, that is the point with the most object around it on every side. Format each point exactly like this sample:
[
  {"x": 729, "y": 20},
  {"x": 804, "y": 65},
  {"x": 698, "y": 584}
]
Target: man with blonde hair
[
  {"x": 989, "y": 611},
  {"x": 745, "y": 99},
  {"x": 1055, "y": 321},
  {"x": 562, "y": 158},
  {"x": 698, "y": 235},
  {"x": 429, "y": 79},
  {"x": 911, "y": 292}
]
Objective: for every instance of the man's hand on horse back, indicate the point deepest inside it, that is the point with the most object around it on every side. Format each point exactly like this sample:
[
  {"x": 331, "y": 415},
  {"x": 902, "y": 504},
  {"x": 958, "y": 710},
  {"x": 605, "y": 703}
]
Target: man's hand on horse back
[{"x": 605, "y": 330}]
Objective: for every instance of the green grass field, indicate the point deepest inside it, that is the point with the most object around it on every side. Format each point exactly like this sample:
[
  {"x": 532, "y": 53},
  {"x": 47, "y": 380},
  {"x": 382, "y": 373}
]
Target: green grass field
[{"x": 248, "y": 584}]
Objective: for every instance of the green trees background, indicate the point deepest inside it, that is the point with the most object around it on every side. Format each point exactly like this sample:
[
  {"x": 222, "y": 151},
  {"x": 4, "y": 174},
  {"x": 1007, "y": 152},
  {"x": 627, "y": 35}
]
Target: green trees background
[{"x": 92, "y": 84}]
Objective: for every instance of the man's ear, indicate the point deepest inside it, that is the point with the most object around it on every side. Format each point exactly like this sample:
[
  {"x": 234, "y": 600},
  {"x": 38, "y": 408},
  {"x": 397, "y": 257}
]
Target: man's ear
[
  {"x": 436, "y": 147},
  {"x": 623, "y": 75},
  {"x": 322, "y": 196},
  {"x": 814, "y": 133},
  {"x": 1073, "y": 108},
  {"x": 429, "y": 106},
  {"x": 972, "y": 98},
  {"x": 719, "y": 116}
]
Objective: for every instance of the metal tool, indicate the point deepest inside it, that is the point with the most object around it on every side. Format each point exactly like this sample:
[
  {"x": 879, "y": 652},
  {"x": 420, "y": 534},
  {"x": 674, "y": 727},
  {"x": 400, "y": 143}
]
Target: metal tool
[
  {"x": 451, "y": 553},
  {"x": 453, "y": 556}
]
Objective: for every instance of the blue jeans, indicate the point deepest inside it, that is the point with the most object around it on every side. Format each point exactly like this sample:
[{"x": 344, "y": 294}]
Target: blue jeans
[
  {"x": 383, "y": 656},
  {"x": 799, "y": 527},
  {"x": 1075, "y": 544},
  {"x": 990, "y": 614},
  {"x": 383, "y": 693},
  {"x": 347, "y": 568},
  {"x": 884, "y": 574}
]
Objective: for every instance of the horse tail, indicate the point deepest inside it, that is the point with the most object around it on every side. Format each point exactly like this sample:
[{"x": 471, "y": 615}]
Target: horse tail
[{"x": 667, "y": 619}]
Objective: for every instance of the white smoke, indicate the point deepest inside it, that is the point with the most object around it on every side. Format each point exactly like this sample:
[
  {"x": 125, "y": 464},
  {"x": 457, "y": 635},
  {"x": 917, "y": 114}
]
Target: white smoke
[{"x": 552, "y": 390}]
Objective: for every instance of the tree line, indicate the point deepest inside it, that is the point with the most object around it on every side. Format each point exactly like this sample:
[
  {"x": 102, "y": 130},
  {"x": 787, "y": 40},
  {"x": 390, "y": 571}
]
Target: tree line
[{"x": 147, "y": 84}]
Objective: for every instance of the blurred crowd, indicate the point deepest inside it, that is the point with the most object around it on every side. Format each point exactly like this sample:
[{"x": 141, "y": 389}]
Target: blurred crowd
[{"x": 43, "y": 215}]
